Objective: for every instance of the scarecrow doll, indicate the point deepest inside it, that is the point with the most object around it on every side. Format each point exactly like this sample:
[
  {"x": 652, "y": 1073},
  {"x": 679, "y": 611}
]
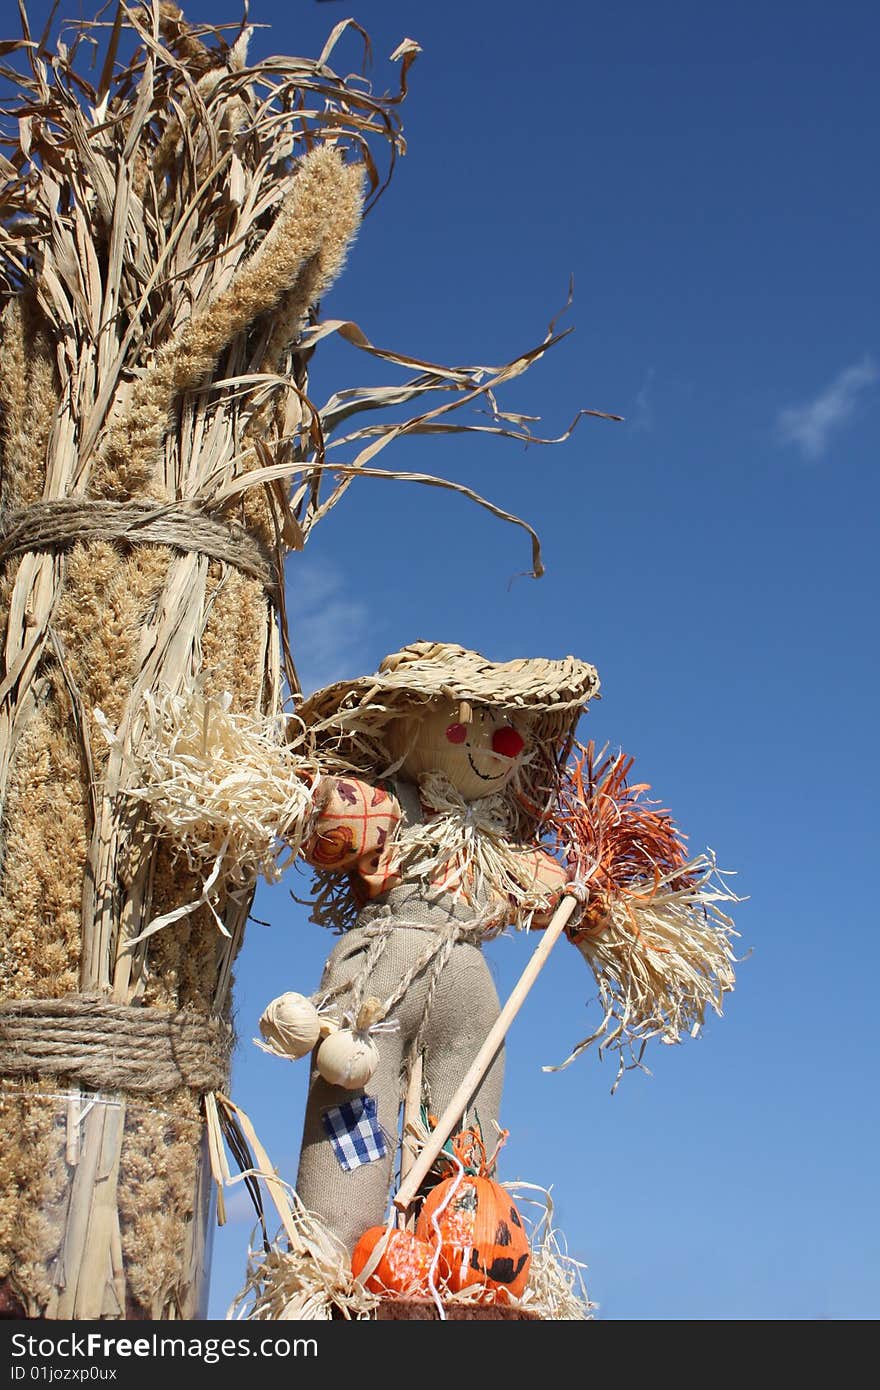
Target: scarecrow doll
[
  {"x": 426, "y": 850},
  {"x": 448, "y": 809}
]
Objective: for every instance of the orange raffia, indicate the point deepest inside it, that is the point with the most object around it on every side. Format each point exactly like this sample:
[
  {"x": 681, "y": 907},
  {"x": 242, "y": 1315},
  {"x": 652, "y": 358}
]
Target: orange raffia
[
  {"x": 626, "y": 846},
  {"x": 470, "y": 1150},
  {"x": 654, "y": 931}
]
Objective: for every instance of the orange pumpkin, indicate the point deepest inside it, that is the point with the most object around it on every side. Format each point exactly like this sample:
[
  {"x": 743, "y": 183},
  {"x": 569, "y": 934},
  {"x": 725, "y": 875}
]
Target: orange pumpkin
[
  {"x": 403, "y": 1266},
  {"x": 482, "y": 1235}
]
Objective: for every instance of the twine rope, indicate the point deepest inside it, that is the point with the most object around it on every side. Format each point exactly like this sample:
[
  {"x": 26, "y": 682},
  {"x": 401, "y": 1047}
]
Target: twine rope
[
  {"x": 59, "y": 524},
  {"x": 85, "y": 1038},
  {"x": 436, "y": 955}
]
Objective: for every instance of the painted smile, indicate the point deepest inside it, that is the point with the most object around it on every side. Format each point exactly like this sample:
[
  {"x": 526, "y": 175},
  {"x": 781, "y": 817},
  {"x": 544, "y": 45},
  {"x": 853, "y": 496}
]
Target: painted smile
[{"x": 486, "y": 776}]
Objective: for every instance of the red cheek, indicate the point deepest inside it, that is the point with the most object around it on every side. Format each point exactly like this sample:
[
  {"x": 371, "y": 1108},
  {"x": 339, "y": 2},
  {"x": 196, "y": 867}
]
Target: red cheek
[
  {"x": 507, "y": 742},
  {"x": 456, "y": 733}
]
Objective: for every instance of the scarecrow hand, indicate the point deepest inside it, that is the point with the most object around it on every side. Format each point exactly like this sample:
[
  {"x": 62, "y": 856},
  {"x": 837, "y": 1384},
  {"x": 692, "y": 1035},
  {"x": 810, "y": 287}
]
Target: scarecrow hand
[
  {"x": 354, "y": 826},
  {"x": 580, "y": 921},
  {"x": 548, "y": 881}
]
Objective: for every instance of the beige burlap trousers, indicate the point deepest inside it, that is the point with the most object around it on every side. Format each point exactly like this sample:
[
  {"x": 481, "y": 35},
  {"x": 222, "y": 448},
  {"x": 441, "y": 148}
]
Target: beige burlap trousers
[{"x": 454, "y": 1021}]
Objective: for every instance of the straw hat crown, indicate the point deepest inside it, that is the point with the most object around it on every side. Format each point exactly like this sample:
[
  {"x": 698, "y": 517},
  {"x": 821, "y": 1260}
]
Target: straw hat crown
[{"x": 426, "y": 671}]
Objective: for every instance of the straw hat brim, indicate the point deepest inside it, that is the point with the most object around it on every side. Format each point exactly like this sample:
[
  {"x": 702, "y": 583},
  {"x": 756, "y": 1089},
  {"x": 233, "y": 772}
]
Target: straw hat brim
[{"x": 555, "y": 690}]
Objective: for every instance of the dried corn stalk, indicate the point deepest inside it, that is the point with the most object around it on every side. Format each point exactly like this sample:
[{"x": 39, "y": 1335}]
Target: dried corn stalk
[{"x": 166, "y": 230}]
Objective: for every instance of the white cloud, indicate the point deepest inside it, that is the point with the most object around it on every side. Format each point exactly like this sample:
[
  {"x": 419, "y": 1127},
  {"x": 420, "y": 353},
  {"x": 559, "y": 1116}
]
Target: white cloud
[
  {"x": 327, "y": 627},
  {"x": 810, "y": 425}
]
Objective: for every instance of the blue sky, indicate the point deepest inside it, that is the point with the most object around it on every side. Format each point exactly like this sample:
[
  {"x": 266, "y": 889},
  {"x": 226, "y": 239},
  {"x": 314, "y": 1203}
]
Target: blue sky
[{"x": 705, "y": 173}]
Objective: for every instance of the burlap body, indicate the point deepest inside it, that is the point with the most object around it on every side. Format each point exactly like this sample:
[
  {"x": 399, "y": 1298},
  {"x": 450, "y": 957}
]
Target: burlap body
[
  {"x": 447, "y": 1010},
  {"x": 463, "y": 1009}
]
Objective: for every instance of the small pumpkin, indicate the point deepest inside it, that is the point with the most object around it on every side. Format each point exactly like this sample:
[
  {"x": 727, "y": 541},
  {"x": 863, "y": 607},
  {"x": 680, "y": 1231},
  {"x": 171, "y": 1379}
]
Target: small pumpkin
[
  {"x": 483, "y": 1240},
  {"x": 403, "y": 1266}
]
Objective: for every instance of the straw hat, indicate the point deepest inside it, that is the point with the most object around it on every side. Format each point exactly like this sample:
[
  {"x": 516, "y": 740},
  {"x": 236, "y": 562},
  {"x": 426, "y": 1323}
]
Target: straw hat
[{"x": 553, "y": 692}]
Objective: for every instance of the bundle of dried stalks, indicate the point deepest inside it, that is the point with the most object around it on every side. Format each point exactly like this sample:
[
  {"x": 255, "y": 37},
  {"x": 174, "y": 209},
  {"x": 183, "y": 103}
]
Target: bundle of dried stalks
[
  {"x": 166, "y": 230},
  {"x": 655, "y": 933}
]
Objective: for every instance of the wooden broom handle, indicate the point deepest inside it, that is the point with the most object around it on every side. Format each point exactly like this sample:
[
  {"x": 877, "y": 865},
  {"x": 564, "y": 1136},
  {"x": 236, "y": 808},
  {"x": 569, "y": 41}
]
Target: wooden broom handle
[
  {"x": 483, "y": 1060},
  {"x": 408, "y": 1152}
]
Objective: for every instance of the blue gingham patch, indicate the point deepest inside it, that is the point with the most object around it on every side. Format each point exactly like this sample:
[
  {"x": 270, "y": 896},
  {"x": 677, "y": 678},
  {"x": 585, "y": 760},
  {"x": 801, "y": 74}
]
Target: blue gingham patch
[{"x": 355, "y": 1133}]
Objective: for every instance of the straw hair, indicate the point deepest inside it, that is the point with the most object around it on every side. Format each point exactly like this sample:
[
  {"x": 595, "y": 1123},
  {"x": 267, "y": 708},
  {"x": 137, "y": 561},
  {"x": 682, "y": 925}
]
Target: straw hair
[
  {"x": 221, "y": 788},
  {"x": 655, "y": 933}
]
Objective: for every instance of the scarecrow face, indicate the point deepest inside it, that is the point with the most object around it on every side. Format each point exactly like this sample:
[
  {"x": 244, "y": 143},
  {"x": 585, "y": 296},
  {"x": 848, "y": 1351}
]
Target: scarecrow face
[{"x": 479, "y": 757}]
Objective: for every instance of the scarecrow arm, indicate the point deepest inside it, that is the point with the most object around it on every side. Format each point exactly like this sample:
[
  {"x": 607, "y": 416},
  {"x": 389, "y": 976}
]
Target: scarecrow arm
[{"x": 481, "y": 1063}]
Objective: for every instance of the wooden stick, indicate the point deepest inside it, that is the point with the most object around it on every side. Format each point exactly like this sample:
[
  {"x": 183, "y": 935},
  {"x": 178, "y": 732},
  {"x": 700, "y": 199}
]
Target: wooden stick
[
  {"x": 483, "y": 1059},
  {"x": 411, "y": 1107}
]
